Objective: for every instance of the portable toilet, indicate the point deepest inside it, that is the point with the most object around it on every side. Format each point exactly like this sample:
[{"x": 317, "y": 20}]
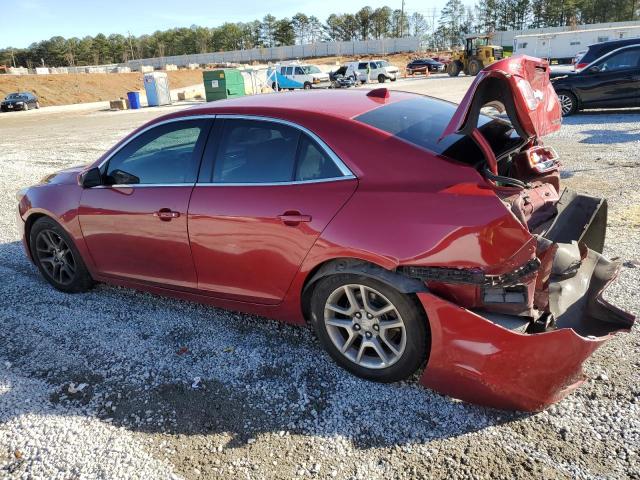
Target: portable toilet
[
  {"x": 156, "y": 85},
  {"x": 223, "y": 83}
]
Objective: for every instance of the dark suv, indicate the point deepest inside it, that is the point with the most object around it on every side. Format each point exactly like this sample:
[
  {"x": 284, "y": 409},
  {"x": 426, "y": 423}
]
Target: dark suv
[
  {"x": 610, "y": 81},
  {"x": 597, "y": 50}
]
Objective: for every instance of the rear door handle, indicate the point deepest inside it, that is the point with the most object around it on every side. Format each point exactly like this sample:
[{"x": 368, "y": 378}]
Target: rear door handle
[
  {"x": 293, "y": 218},
  {"x": 166, "y": 214}
]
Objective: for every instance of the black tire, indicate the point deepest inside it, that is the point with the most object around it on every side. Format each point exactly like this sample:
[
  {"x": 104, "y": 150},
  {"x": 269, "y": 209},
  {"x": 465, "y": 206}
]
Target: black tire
[
  {"x": 307, "y": 86},
  {"x": 37, "y": 105},
  {"x": 394, "y": 79},
  {"x": 568, "y": 103},
  {"x": 474, "y": 67},
  {"x": 72, "y": 275},
  {"x": 382, "y": 78},
  {"x": 416, "y": 347},
  {"x": 453, "y": 69},
  {"x": 276, "y": 88}
]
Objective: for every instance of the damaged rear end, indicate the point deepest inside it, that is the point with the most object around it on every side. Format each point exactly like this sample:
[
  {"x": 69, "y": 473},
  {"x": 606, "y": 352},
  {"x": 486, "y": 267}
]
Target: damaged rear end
[{"x": 516, "y": 337}]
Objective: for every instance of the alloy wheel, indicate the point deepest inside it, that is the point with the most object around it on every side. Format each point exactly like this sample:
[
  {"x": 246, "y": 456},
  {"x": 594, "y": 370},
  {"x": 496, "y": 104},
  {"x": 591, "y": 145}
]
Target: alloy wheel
[
  {"x": 566, "y": 103},
  {"x": 55, "y": 257},
  {"x": 365, "y": 326}
]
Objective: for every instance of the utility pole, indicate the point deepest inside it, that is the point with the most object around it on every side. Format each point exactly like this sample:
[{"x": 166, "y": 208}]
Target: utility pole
[
  {"x": 131, "y": 46},
  {"x": 402, "y": 20}
]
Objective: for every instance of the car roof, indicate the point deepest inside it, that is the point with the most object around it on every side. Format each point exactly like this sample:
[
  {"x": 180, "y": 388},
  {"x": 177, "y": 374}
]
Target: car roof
[
  {"x": 343, "y": 104},
  {"x": 614, "y": 43}
]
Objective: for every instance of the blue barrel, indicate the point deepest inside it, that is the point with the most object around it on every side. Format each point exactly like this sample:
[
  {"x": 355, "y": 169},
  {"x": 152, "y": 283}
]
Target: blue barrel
[{"x": 134, "y": 100}]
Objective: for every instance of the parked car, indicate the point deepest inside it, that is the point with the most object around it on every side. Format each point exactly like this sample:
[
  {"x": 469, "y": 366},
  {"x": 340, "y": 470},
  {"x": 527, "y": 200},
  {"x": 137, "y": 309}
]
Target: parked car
[
  {"x": 372, "y": 70},
  {"x": 296, "y": 76},
  {"x": 453, "y": 246},
  {"x": 611, "y": 81},
  {"x": 19, "y": 101},
  {"x": 576, "y": 60},
  {"x": 339, "y": 79},
  {"x": 424, "y": 65},
  {"x": 597, "y": 50}
]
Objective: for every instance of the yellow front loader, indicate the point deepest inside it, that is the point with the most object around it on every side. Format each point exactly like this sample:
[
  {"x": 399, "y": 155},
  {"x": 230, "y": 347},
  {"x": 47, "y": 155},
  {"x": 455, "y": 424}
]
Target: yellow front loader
[{"x": 477, "y": 54}]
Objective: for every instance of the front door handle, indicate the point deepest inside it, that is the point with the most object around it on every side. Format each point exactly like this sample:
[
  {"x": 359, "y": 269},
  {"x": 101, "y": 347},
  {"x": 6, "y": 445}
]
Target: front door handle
[
  {"x": 166, "y": 214},
  {"x": 293, "y": 218}
]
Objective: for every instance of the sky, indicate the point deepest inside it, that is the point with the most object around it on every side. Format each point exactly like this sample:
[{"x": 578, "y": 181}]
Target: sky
[{"x": 23, "y": 22}]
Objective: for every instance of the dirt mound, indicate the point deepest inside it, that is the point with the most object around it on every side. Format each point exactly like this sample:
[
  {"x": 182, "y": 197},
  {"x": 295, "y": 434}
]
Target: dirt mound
[{"x": 90, "y": 87}]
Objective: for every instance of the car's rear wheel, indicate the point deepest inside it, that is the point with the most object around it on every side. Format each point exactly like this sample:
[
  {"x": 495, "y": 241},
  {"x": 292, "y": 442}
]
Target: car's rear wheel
[
  {"x": 369, "y": 328},
  {"x": 568, "y": 103},
  {"x": 57, "y": 258},
  {"x": 37, "y": 105}
]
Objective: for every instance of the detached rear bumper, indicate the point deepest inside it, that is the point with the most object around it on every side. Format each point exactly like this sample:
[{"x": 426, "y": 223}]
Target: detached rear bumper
[{"x": 477, "y": 360}]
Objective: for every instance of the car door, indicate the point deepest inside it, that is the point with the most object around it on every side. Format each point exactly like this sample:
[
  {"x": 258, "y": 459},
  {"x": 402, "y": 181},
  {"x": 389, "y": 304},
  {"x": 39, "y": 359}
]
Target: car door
[
  {"x": 374, "y": 71},
  {"x": 135, "y": 224},
  {"x": 613, "y": 81},
  {"x": 362, "y": 71},
  {"x": 266, "y": 191}
]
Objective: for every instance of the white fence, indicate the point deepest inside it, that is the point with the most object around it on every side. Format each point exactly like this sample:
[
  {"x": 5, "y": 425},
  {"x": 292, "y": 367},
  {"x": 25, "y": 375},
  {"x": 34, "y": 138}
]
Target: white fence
[{"x": 324, "y": 49}]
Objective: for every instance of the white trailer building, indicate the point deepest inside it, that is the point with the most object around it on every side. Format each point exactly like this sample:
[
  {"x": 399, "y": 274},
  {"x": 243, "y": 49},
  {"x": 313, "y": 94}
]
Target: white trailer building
[{"x": 562, "y": 47}]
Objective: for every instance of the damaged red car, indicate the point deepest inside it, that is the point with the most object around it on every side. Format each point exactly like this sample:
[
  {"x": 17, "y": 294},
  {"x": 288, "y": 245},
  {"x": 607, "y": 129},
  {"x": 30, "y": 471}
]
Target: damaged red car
[{"x": 410, "y": 232}]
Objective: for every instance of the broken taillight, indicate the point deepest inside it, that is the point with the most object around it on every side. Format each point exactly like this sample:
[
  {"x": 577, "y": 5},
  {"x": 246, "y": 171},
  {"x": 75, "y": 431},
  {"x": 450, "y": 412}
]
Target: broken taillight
[{"x": 543, "y": 159}]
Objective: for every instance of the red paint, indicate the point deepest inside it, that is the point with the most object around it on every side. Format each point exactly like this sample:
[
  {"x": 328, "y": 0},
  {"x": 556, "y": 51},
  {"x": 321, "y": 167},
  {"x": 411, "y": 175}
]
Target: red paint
[
  {"x": 537, "y": 106},
  {"x": 479, "y": 361},
  {"x": 241, "y": 247},
  {"x": 126, "y": 238},
  {"x": 253, "y": 248}
]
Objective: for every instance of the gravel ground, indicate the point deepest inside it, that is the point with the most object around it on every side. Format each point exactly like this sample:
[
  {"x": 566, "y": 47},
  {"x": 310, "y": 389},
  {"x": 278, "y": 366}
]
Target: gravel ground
[{"x": 120, "y": 384}]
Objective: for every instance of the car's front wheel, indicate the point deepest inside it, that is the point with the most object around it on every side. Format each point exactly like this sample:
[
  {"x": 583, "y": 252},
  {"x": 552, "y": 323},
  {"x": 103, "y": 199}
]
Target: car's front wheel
[
  {"x": 369, "y": 328},
  {"x": 568, "y": 103},
  {"x": 382, "y": 78},
  {"x": 57, "y": 258}
]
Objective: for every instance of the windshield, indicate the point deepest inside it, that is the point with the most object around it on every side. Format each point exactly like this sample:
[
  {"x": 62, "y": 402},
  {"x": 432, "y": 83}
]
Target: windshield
[
  {"x": 382, "y": 64},
  {"x": 15, "y": 96},
  {"x": 311, "y": 69},
  {"x": 422, "y": 120}
]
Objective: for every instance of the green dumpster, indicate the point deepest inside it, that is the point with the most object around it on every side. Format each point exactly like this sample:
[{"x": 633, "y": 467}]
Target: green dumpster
[{"x": 223, "y": 83}]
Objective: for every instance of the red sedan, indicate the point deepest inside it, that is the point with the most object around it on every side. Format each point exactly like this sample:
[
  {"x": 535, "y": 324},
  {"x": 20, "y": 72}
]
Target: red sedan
[{"x": 410, "y": 232}]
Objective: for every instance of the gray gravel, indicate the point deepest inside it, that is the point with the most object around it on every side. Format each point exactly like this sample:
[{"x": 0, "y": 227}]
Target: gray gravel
[{"x": 121, "y": 384}]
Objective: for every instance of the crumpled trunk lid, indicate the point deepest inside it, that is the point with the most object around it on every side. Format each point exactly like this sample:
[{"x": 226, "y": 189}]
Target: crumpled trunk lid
[{"x": 520, "y": 86}]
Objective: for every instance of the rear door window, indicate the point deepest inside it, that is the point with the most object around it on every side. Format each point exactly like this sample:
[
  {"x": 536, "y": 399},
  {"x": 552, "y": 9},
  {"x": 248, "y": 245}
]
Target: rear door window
[
  {"x": 362, "y": 66},
  {"x": 166, "y": 154},
  {"x": 313, "y": 163},
  {"x": 623, "y": 60},
  {"x": 265, "y": 152},
  {"x": 254, "y": 151},
  {"x": 289, "y": 71}
]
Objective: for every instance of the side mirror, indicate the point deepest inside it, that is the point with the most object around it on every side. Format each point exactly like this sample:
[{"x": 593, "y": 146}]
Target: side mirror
[
  {"x": 594, "y": 69},
  {"x": 91, "y": 178}
]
